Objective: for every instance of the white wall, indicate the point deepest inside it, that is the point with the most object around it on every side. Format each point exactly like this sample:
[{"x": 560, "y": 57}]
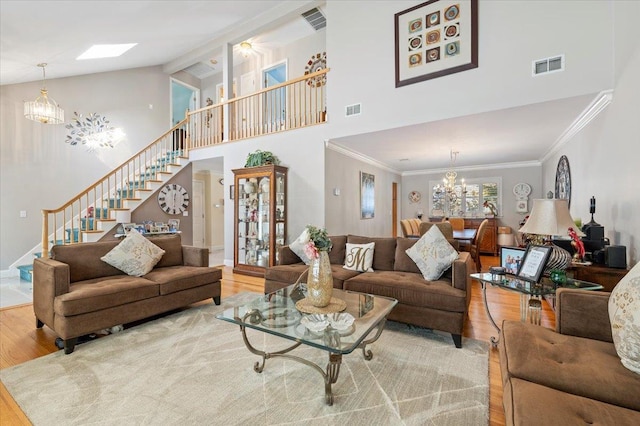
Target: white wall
[
  {"x": 39, "y": 170},
  {"x": 603, "y": 157},
  {"x": 360, "y": 51},
  {"x": 343, "y": 211}
]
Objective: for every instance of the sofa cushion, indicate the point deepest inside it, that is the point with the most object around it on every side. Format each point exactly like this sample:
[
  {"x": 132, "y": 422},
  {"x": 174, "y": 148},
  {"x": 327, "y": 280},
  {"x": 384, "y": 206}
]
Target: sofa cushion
[
  {"x": 177, "y": 278},
  {"x": 172, "y": 246},
  {"x": 135, "y": 255},
  {"x": 584, "y": 367},
  {"x": 384, "y": 253},
  {"x": 410, "y": 289},
  {"x": 433, "y": 254},
  {"x": 297, "y": 246},
  {"x": 402, "y": 261},
  {"x": 102, "y": 293},
  {"x": 531, "y": 403},
  {"x": 84, "y": 260},
  {"x": 359, "y": 257},
  {"x": 624, "y": 315},
  {"x": 336, "y": 254}
]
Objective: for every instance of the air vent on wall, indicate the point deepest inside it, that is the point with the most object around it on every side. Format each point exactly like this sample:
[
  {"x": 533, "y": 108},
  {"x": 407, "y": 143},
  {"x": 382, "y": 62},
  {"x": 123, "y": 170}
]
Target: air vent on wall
[
  {"x": 315, "y": 18},
  {"x": 354, "y": 109},
  {"x": 548, "y": 65}
]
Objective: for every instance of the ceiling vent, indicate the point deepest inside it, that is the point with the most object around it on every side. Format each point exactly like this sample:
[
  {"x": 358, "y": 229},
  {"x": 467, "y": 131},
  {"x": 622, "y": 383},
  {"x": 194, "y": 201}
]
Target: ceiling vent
[
  {"x": 354, "y": 109},
  {"x": 200, "y": 70},
  {"x": 315, "y": 18},
  {"x": 548, "y": 65}
]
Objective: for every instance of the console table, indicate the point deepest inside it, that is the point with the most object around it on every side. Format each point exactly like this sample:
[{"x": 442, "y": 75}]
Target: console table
[{"x": 601, "y": 274}]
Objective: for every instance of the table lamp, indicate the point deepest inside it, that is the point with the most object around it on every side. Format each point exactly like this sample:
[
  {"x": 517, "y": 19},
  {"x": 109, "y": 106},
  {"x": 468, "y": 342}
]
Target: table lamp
[{"x": 551, "y": 217}]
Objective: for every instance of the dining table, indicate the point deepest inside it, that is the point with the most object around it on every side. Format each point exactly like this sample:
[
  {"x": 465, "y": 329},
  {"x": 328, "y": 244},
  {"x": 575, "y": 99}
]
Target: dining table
[{"x": 464, "y": 235}]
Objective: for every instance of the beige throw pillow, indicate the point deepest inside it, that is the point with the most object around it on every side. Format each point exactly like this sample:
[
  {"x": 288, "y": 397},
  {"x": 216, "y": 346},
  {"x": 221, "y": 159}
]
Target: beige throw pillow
[
  {"x": 135, "y": 255},
  {"x": 298, "y": 246},
  {"x": 433, "y": 254},
  {"x": 624, "y": 315},
  {"x": 359, "y": 257}
]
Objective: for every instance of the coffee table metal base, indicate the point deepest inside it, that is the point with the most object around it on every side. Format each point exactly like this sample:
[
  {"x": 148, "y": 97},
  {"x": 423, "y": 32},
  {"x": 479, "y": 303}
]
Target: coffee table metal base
[{"x": 329, "y": 374}]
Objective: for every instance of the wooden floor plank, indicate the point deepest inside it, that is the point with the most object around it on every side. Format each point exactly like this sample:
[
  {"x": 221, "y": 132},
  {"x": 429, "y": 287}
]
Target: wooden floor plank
[{"x": 20, "y": 341}]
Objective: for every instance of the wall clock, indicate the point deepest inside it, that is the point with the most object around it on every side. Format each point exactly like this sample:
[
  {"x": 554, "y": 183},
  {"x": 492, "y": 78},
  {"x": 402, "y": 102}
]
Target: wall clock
[
  {"x": 522, "y": 190},
  {"x": 415, "y": 196},
  {"x": 173, "y": 199},
  {"x": 563, "y": 180}
]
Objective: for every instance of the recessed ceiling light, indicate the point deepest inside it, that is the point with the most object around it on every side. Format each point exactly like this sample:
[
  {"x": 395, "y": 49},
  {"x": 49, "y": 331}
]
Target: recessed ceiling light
[{"x": 105, "y": 51}]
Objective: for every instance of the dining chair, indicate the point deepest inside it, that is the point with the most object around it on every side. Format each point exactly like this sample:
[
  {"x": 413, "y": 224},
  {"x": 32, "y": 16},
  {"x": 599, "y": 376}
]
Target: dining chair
[
  {"x": 475, "y": 244},
  {"x": 457, "y": 223}
]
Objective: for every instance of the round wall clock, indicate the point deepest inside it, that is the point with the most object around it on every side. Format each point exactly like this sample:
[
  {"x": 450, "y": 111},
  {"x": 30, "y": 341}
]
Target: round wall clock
[
  {"x": 522, "y": 190},
  {"x": 415, "y": 196},
  {"x": 563, "y": 180},
  {"x": 173, "y": 199}
]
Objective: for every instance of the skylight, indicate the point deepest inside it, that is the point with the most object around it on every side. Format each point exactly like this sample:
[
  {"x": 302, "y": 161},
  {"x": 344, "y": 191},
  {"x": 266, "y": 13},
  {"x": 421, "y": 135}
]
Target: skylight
[{"x": 105, "y": 51}]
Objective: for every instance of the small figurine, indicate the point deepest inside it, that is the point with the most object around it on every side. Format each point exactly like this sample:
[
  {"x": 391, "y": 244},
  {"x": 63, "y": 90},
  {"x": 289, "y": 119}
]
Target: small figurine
[{"x": 577, "y": 244}]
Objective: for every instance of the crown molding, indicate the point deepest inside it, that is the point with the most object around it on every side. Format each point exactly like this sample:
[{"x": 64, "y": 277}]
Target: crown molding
[
  {"x": 475, "y": 168},
  {"x": 360, "y": 157},
  {"x": 599, "y": 103}
]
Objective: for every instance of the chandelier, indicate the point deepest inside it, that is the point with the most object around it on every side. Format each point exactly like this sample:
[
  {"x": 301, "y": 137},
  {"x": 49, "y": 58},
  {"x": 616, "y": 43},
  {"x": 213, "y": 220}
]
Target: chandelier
[
  {"x": 448, "y": 187},
  {"x": 44, "y": 109}
]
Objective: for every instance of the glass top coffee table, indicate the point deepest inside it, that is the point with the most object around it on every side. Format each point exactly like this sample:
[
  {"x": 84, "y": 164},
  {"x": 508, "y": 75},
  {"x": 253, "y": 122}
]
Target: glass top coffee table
[
  {"x": 276, "y": 314},
  {"x": 530, "y": 294}
]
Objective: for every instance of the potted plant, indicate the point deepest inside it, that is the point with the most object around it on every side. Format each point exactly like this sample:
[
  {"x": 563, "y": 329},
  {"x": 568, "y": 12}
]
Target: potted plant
[{"x": 261, "y": 158}]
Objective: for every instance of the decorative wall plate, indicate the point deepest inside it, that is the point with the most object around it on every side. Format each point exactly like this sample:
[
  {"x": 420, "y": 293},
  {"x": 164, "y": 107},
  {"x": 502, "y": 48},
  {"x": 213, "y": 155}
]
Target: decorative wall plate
[
  {"x": 415, "y": 196},
  {"x": 563, "y": 180},
  {"x": 316, "y": 63}
]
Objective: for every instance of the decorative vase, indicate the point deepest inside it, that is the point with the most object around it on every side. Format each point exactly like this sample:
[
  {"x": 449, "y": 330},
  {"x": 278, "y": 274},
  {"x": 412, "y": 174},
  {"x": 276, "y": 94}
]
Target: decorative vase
[
  {"x": 249, "y": 187},
  {"x": 320, "y": 280}
]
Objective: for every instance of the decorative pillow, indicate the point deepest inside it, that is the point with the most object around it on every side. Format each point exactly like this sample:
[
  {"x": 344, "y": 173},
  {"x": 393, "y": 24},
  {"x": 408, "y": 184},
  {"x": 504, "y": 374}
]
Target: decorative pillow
[
  {"x": 298, "y": 246},
  {"x": 432, "y": 254},
  {"x": 624, "y": 314},
  {"x": 359, "y": 257},
  {"x": 135, "y": 255}
]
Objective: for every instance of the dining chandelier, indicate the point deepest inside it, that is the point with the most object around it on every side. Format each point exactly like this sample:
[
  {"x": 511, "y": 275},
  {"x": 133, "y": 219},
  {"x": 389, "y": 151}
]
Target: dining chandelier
[
  {"x": 44, "y": 109},
  {"x": 450, "y": 176}
]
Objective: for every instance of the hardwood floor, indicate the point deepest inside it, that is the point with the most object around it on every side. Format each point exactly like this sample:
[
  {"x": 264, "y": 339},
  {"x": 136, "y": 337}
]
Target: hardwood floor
[{"x": 20, "y": 341}]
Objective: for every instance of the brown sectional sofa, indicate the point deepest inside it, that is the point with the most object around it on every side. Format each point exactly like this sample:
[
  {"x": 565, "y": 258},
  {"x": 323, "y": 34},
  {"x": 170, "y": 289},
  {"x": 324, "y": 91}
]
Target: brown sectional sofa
[
  {"x": 75, "y": 293},
  {"x": 570, "y": 376},
  {"x": 440, "y": 304}
]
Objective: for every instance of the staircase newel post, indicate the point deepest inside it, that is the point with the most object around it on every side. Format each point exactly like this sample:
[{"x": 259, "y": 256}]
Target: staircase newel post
[{"x": 45, "y": 233}]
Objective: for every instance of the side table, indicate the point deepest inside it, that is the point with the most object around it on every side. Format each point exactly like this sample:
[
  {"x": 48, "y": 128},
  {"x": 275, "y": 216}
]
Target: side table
[{"x": 601, "y": 274}]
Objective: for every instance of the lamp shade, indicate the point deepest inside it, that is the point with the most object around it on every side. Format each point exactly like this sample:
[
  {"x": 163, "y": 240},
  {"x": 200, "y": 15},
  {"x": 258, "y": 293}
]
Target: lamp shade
[
  {"x": 550, "y": 217},
  {"x": 123, "y": 216}
]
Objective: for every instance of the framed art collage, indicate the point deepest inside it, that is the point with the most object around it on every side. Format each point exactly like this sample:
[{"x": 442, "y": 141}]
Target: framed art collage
[{"x": 434, "y": 39}]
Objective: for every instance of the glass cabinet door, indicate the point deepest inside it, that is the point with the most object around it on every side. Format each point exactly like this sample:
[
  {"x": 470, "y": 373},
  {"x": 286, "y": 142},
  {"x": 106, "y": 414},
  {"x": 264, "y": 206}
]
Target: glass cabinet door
[{"x": 260, "y": 217}]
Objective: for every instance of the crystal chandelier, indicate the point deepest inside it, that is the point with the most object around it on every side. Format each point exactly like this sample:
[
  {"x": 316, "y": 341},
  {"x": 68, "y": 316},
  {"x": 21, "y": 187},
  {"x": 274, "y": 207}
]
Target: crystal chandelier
[
  {"x": 449, "y": 183},
  {"x": 44, "y": 109}
]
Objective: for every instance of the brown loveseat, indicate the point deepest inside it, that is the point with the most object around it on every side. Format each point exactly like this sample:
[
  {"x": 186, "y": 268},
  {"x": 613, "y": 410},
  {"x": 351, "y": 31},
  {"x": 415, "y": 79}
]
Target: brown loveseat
[
  {"x": 570, "y": 376},
  {"x": 75, "y": 293},
  {"x": 440, "y": 304}
]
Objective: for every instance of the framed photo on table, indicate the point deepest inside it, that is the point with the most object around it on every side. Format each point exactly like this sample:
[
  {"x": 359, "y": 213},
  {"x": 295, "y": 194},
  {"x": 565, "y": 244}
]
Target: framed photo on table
[
  {"x": 434, "y": 39},
  {"x": 511, "y": 259},
  {"x": 533, "y": 263}
]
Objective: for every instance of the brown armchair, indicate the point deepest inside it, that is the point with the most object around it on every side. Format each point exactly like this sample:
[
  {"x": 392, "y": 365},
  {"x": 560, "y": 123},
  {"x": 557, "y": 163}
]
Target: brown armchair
[
  {"x": 410, "y": 228},
  {"x": 475, "y": 244}
]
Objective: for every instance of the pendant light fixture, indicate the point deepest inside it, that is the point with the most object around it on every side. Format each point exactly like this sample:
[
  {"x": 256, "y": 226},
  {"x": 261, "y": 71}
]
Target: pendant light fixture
[{"x": 44, "y": 109}]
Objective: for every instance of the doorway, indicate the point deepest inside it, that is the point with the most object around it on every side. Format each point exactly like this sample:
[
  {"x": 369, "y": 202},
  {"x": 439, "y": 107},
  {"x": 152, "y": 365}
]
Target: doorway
[
  {"x": 183, "y": 98},
  {"x": 275, "y": 102}
]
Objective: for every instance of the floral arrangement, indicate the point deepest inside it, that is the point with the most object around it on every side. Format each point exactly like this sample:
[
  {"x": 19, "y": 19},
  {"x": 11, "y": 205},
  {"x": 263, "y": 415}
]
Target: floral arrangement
[{"x": 318, "y": 241}]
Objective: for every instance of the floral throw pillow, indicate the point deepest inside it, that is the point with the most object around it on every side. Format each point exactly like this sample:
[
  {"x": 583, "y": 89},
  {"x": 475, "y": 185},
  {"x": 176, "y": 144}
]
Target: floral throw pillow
[
  {"x": 359, "y": 257},
  {"x": 298, "y": 246},
  {"x": 624, "y": 315},
  {"x": 135, "y": 255},
  {"x": 432, "y": 254}
]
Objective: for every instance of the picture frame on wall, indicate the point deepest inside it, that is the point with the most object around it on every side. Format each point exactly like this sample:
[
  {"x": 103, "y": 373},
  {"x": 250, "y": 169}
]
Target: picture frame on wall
[
  {"x": 434, "y": 39},
  {"x": 522, "y": 206},
  {"x": 367, "y": 195}
]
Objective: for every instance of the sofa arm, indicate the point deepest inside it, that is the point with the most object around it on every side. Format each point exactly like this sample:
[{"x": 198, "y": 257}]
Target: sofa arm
[
  {"x": 287, "y": 257},
  {"x": 463, "y": 266},
  {"x": 51, "y": 278},
  {"x": 195, "y": 256},
  {"x": 583, "y": 313}
]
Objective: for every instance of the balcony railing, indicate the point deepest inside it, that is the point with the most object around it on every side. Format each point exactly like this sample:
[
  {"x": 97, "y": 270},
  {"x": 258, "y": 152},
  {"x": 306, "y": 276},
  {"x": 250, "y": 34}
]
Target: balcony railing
[{"x": 291, "y": 105}]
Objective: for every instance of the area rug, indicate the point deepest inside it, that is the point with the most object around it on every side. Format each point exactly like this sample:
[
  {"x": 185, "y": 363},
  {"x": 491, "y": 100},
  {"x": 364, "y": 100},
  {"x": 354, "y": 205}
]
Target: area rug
[{"x": 191, "y": 368}]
